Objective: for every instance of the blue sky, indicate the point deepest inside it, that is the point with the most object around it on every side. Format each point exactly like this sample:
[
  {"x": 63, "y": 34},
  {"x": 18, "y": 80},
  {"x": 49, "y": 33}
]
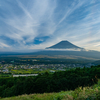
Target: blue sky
[{"x": 26, "y": 25}]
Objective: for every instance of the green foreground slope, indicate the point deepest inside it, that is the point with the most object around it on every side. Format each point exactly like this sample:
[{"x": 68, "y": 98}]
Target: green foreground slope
[{"x": 87, "y": 93}]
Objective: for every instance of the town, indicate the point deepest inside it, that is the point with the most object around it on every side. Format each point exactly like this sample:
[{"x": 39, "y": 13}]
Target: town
[{"x": 38, "y": 68}]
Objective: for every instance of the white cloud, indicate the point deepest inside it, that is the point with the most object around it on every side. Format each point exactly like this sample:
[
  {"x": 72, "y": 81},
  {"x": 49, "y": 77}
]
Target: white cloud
[
  {"x": 24, "y": 9},
  {"x": 71, "y": 9},
  {"x": 40, "y": 18},
  {"x": 2, "y": 45}
]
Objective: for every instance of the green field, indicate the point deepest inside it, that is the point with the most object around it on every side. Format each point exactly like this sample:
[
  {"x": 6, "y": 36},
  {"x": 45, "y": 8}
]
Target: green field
[{"x": 28, "y": 71}]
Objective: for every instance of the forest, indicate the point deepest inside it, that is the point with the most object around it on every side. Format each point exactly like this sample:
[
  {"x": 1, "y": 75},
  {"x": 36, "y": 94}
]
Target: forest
[
  {"x": 45, "y": 83},
  {"x": 44, "y": 60}
]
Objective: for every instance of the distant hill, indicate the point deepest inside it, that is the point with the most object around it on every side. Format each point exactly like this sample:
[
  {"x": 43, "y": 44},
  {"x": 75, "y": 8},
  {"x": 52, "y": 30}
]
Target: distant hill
[
  {"x": 88, "y": 54},
  {"x": 96, "y": 62},
  {"x": 64, "y": 45}
]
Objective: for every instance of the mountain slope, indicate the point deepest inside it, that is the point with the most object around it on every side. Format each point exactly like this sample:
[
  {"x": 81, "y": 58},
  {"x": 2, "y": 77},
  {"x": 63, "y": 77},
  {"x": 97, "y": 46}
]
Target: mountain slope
[{"x": 64, "y": 45}]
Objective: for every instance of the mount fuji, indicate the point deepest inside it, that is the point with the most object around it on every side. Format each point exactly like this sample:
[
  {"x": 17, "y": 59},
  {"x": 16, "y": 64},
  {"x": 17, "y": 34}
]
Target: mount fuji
[{"x": 64, "y": 45}]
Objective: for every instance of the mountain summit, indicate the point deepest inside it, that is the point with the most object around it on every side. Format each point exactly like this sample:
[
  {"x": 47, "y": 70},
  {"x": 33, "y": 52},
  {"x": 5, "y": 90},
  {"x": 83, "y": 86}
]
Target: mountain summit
[{"x": 64, "y": 45}]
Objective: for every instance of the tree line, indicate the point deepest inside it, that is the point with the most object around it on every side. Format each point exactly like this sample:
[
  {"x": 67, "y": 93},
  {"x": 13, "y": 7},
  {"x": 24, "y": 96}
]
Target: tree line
[{"x": 56, "y": 82}]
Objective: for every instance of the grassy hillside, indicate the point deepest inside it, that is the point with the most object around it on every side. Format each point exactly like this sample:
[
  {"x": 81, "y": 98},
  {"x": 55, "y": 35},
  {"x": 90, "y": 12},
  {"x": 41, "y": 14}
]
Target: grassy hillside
[{"x": 87, "y": 93}]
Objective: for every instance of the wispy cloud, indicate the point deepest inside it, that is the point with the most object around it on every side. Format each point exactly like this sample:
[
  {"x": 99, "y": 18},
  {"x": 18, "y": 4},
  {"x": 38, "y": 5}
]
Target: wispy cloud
[
  {"x": 3, "y": 45},
  {"x": 24, "y": 9},
  {"x": 71, "y": 9},
  {"x": 48, "y": 22}
]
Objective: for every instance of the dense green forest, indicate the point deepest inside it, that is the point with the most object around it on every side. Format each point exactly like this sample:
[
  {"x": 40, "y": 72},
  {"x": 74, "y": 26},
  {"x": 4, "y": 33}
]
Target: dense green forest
[{"x": 55, "y": 82}]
